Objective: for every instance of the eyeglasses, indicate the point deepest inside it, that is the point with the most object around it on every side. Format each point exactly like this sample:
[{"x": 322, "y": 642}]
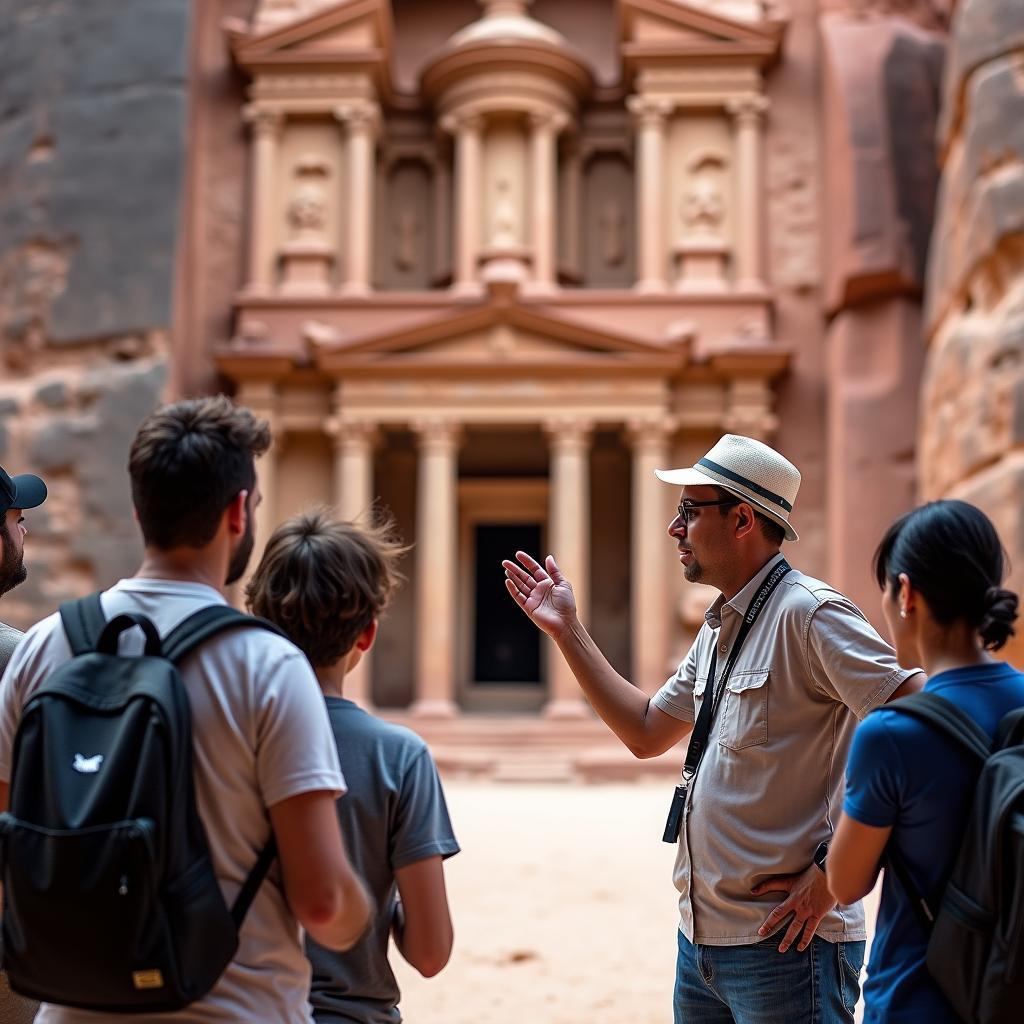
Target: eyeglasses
[{"x": 689, "y": 510}]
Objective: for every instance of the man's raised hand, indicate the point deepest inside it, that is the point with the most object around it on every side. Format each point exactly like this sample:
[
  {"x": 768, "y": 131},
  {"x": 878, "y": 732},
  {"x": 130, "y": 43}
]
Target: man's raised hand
[{"x": 542, "y": 592}]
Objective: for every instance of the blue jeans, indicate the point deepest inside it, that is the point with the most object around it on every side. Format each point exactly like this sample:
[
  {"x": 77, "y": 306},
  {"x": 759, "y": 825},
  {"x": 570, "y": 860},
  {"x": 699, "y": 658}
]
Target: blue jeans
[{"x": 759, "y": 985}]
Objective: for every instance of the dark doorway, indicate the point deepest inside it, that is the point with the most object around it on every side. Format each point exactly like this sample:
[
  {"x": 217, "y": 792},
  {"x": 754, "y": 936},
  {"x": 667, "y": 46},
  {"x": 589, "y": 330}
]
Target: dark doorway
[{"x": 506, "y": 645}]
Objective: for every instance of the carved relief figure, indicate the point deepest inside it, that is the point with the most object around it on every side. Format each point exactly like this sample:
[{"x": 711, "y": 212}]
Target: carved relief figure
[
  {"x": 703, "y": 204},
  {"x": 505, "y": 227},
  {"x": 703, "y": 208},
  {"x": 307, "y": 208},
  {"x": 406, "y": 227},
  {"x": 612, "y": 223}
]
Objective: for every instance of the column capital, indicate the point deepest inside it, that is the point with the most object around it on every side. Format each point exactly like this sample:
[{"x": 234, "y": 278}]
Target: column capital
[
  {"x": 649, "y": 433},
  {"x": 436, "y": 434},
  {"x": 649, "y": 111},
  {"x": 568, "y": 432},
  {"x": 263, "y": 120},
  {"x": 359, "y": 116},
  {"x": 462, "y": 124},
  {"x": 351, "y": 433},
  {"x": 749, "y": 109},
  {"x": 554, "y": 122}
]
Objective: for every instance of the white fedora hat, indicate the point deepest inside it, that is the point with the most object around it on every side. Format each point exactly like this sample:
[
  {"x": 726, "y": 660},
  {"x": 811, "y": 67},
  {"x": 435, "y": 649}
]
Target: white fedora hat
[{"x": 750, "y": 470}]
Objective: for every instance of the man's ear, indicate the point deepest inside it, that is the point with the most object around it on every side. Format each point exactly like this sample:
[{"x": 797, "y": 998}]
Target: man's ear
[
  {"x": 745, "y": 519},
  {"x": 365, "y": 639},
  {"x": 237, "y": 513}
]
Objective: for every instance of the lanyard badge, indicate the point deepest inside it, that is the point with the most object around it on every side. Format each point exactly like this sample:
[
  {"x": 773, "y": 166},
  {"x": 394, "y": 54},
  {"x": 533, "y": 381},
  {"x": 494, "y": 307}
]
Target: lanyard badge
[{"x": 702, "y": 727}]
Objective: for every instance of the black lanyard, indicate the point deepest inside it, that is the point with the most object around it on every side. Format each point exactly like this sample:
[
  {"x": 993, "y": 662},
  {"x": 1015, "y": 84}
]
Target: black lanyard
[{"x": 713, "y": 697}]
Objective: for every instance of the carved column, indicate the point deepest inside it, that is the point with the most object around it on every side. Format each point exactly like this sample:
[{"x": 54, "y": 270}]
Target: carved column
[
  {"x": 748, "y": 115},
  {"x": 436, "y": 569},
  {"x": 649, "y": 599},
  {"x": 651, "y": 116},
  {"x": 266, "y": 134},
  {"x": 468, "y": 132},
  {"x": 353, "y": 498},
  {"x": 544, "y": 129},
  {"x": 362, "y": 120},
  {"x": 572, "y": 171},
  {"x": 569, "y": 528}
]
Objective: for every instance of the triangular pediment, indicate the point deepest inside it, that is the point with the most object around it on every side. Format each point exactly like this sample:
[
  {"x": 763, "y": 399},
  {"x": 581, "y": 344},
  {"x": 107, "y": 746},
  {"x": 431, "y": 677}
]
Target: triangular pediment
[
  {"x": 672, "y": 26},
  {"x": 344, "y": 29},
  {"x": 495, "y": 337}
]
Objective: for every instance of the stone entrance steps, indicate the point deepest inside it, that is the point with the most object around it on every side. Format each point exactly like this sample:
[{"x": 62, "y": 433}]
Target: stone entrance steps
[{"x": 532, "y": 749}]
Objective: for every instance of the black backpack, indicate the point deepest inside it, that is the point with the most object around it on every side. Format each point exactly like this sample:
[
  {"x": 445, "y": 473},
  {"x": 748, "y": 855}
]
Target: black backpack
[
  {"x": 976, "y": 933},
  {"x": 110, "y": 898}
]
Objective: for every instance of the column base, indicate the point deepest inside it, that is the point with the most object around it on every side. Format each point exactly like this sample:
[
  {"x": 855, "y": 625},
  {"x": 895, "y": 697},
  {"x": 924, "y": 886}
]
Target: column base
[
  {"x": 469, "y": 289},
  {"x": 355, "y": 289},
  {"x": 651, "y": 286},
  {"x": 574, "y": 708},
  {"x": 433, "y": 708},
  {"x": 751, "y": 286},
  {"x": 256, "y": 290}
]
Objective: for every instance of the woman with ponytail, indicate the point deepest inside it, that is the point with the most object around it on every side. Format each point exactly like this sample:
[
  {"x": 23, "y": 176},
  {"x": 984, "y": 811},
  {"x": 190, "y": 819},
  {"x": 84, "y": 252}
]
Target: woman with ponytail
[{"x": 908, "y": 787}]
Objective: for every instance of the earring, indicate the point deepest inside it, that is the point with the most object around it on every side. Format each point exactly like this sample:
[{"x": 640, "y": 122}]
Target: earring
[{"x": 903, "y": 613}]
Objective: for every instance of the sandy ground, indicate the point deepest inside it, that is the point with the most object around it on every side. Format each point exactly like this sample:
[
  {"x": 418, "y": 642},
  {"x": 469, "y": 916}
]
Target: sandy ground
[{"x": 564, "y": 909}]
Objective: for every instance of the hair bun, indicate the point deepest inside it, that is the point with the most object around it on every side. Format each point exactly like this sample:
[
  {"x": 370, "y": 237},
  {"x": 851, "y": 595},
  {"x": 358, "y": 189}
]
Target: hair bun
[{"x": 998, "y": 618}]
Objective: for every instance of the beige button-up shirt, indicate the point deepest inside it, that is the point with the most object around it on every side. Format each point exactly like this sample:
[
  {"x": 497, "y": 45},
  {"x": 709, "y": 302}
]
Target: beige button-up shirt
[{"x": 769, "y": 788}]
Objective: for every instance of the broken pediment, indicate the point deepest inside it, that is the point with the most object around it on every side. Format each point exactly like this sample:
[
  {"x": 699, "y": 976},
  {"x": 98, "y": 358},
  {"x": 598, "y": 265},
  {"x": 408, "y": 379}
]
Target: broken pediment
[
  {"x": 660, "y": 29},
  {"x": 494, "y": 338},
  {"x": 342, "y": 30}
]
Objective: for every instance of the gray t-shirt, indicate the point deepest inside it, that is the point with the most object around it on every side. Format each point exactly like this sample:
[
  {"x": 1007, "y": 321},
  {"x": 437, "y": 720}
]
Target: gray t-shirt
[
  {"x": 393, "y": 815},
  {"x": 9, "y": 637}
]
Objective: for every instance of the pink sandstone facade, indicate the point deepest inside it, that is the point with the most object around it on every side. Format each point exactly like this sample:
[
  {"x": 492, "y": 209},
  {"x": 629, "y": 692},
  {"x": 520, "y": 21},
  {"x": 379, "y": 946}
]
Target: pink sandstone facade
[{"x": 490, "y": 263}]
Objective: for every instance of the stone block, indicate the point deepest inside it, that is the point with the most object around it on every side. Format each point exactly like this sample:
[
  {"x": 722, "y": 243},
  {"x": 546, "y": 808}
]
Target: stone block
[
  {"x": 54, "y": 394},
  {"x": 983, "y": 30},
  {"x": 981, "y": 201},
  {"x": 972, "y": 396},
  {"x": 880, "y": 107},
  {"x": 92, "y": 122}
]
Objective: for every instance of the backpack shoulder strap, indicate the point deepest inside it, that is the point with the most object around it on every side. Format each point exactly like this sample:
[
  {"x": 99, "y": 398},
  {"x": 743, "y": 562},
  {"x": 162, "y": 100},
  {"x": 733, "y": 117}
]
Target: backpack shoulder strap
[
  {"x": 1010, "y": 732},
  {"x": 83, "y": 622},
  {"x": 255, "y": 879},
  {"x": 200, "y": 626},
  {"x": 947, "y": 718}
]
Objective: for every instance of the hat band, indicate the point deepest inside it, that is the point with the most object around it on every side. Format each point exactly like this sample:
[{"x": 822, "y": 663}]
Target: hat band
[{"x": 775, "y": 499}]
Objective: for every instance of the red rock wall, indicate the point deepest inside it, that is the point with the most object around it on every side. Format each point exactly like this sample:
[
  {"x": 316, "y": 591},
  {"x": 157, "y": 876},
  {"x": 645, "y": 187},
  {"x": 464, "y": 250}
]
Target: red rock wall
[{"x": 971, "y": 438}]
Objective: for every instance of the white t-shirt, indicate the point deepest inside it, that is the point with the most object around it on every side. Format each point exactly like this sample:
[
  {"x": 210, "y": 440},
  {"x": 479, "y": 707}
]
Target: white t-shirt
[{"x": 260, "y": 734}]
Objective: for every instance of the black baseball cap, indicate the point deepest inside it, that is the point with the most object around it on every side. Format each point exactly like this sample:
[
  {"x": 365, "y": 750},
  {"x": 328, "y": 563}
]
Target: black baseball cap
[{"x": 25, "y": 491}]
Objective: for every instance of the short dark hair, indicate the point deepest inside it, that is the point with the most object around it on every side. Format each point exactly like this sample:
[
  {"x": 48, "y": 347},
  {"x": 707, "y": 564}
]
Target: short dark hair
[
  {"x": 188, "y": 462},
  {"x": 772, "y": 531},
  {"x": 324, "y": 581},
  {"x": 951, "y": 553}
]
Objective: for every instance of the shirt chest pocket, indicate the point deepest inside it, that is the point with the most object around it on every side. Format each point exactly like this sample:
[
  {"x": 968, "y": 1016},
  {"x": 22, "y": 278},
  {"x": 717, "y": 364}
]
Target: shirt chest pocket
[{"x": 745, "y": 710}]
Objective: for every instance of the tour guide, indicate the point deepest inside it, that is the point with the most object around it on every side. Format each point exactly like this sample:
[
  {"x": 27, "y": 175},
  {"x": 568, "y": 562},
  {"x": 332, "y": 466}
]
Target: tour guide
[{"x": 769, "y": 694}]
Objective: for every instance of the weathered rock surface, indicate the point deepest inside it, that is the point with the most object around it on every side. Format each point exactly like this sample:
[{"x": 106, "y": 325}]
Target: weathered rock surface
[
  {"x": 93, "y": 104},
  {"x": 972, "y": 422}
]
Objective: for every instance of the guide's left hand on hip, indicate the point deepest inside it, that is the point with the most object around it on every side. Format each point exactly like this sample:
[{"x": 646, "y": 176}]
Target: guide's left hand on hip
[{"x": 808, "y": 900}]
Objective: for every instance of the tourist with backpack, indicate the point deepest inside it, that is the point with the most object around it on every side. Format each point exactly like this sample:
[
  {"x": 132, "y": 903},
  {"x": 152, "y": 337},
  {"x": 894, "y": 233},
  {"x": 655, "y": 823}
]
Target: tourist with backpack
[
  {"x": 146, "y": 782},
  {"x": 326, "y": 584},
  {"x": 919, "y": 801}
]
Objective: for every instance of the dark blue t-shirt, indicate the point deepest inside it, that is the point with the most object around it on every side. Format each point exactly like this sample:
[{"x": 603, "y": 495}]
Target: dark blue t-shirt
[
  {"x": 904, "y": 774},
  {"x": 393, "y": 815}
]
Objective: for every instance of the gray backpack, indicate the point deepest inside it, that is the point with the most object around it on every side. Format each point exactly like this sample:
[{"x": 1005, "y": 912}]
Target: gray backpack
[{"x": 976, "y": 932}]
